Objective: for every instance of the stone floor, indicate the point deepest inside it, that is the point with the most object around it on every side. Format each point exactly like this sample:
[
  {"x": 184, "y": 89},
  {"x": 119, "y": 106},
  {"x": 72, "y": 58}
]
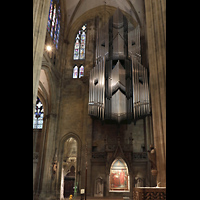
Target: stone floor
[{"x": 101, "y": 198}]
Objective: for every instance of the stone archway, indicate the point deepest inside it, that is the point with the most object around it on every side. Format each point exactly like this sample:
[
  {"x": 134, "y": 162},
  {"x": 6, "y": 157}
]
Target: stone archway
[{"x": 69, "y": 159}]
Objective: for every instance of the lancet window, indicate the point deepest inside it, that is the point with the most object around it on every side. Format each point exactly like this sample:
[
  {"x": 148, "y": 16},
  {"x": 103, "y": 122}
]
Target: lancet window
[
  {"x": 53, "y": 24},
  {"x": 38, "y": 115},
  {"x": 81, "y": 71},
  {"x": 79, "y": 45},
  {"x": 78, "y": 72}
]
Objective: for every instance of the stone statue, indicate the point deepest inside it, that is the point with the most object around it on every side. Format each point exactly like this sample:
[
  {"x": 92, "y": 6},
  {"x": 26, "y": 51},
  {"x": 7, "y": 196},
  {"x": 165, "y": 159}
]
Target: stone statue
[
  {"x": 55, "y": 162},
  {"x": 139, "y": 182},
  {"x": 99, "y": 191},
  {"x": 54, "y": 166},
  {"x": 152, "y": 157},
  {"x": 99, "y": 187}
]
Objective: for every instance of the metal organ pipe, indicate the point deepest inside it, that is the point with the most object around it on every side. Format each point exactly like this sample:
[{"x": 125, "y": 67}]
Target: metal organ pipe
[
  {"x": 133, "y": 93},
  {"x": 133, "y": 83},
  {"x": 144, "y": 93}
]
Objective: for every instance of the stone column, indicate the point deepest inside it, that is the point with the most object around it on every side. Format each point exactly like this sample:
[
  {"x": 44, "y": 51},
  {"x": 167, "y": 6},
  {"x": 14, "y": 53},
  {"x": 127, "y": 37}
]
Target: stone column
[
  {"x": 156, "y": 38},
  {"x": 62, "y": 185},
  {"x": 48, "y": 178},
  {"x": 40, "y": 17},
  {"x": 87, "y": 138}
]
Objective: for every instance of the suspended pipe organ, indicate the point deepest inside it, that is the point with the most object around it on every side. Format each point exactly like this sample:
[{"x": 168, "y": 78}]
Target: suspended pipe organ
[{"x": 118, "y": 85}]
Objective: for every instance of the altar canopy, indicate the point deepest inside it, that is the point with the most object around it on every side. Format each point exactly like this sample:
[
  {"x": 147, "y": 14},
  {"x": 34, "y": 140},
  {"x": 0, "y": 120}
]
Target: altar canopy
[{"x": 118, "y": 86}]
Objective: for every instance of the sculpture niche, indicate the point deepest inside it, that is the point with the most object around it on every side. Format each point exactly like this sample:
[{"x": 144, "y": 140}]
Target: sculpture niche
[
  {"x": 118, "y": 87},
  {"x": 99, "y": 186}
]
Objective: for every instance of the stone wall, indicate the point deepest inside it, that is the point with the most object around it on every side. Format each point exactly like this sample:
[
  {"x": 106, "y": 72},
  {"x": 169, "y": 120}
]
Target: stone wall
[{"x": 68, "y": 109}]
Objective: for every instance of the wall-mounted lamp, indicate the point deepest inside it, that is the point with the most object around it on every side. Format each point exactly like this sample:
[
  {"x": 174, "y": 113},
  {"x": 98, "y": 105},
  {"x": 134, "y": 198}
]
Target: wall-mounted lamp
[{"x": 48, "y": 48}]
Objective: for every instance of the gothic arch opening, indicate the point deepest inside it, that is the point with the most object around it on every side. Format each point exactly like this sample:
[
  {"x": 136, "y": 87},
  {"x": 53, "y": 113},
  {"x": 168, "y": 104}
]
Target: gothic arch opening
[
  {"x": 69, "y": 179},
  {"x": 119, "y": 180}
]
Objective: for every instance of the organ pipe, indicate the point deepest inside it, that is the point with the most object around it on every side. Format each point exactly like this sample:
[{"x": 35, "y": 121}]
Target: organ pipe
[{"x": 118, "y": 85}]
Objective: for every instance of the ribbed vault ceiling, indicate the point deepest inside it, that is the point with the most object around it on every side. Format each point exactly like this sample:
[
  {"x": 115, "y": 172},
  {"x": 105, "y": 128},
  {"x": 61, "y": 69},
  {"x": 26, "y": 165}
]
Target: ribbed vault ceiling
[{"x": 76, "y": 8}]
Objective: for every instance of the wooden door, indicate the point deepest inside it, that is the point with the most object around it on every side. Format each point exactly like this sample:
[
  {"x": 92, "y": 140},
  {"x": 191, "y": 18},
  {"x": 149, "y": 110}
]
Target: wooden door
[{"x": 68, "y": 187}]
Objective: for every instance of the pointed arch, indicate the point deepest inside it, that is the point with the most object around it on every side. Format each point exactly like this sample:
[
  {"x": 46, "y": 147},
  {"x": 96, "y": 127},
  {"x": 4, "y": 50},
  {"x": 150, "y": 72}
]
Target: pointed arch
[
  {"x": 61, "y": 151},
  {"x": 75, "y": 72},
  {"x": 45, "y": 87},
  {"x": 38, "y": 114},
  {"x": 81, "y": 71},
  {"x": 80, "y": 42},
  {"x": 92, "y": 13},
  {"x": 66, "y": 137},
  {"x": 119, "y": 178},
  {"x": 42, "y": 101}
]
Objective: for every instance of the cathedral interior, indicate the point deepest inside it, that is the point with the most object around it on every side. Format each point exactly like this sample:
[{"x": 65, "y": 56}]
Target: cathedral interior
[{"x": 99, "y": 99}]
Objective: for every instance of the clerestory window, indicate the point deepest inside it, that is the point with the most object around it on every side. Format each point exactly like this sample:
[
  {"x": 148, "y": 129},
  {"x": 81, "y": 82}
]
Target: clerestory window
[
  {"x": 78, "y": 72},
  {"x": 53, "y": 24},
  {"x": 79, "y": 45}
]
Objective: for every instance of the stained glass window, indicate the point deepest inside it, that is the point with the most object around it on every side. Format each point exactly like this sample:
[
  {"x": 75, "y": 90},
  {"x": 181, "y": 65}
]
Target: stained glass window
[
  {"x": 81, "y": 71},
  {"x": 79, "y": 46},
  {"x": 53, "y": 21},
  {"x": 75, "y": 72},
  {"x": 76, "y": 48},
  {"x": 50, "y": 16},
  {"x": 78, "y": 72},
  {"x": 58, "y": 27},
  {"x": 53, "y": 24},
  {"x": 55, "y": 32},
  {"x": 38, "y": 115}
]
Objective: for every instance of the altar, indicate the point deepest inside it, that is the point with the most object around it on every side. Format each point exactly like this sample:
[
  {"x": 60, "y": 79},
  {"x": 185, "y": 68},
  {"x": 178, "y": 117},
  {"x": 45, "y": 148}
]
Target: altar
[{"x": 156, "y": 193}]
